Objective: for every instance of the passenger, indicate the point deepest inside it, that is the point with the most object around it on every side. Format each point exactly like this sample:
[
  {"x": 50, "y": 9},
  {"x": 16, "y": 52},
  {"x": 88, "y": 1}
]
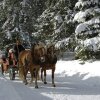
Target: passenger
[
  {"x": 11, "y": 58},
  {"x": 18, "y": 48},
  {"x": 6, "y": 52},
  {"x": 12, "y": 64}
]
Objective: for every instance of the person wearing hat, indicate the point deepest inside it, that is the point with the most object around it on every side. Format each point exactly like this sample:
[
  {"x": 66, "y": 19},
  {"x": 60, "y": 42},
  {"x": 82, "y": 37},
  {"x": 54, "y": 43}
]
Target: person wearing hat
[
  {"x": 12, "y": 64},
  {"x": 18, "y": 48},
  {"x": 11, "y": 57}
]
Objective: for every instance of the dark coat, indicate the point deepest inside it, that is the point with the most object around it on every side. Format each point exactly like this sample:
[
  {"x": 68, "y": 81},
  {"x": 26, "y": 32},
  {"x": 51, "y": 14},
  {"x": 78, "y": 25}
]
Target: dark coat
[{"x": 18, "y": 49}]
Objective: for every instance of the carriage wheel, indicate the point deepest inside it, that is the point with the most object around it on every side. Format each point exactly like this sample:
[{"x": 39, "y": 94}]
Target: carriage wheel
[
  {"x": 1, "y": 69},
  {"x": 12, "y": 74}
]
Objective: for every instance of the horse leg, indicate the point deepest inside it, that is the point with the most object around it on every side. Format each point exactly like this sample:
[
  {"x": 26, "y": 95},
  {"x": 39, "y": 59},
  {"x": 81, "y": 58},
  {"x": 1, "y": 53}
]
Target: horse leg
[
  {"x": 32, "y": 75},
  {"x": 2, "y": 69},
  {"x": 42, "y": 74},
  {"x": 25, "y": 81},
  {"x": 24, "y": 76},
  {"x": 36, "y": 73},
  {"x": 22, "y": 73},
  {"x": 38, "y": 77},
  {"x": 45, "y": 76},
  {"x": 53, "y": 84}
]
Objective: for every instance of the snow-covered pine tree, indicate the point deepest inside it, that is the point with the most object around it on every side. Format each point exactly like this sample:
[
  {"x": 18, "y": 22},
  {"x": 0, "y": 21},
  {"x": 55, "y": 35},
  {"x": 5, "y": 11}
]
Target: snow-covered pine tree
[
  {"x": 55, "y": 23},
  {"x": 52, "y": 19},
  {"x": 11, "y": 24},
  {"x": 3, "y": 16},
  {"x": 88, "y": 29},
  {"x": 21, "y": 18}
]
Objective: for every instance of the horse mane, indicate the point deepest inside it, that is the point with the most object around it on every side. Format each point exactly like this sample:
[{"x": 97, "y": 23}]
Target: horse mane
[
  {"x": 33, "y": 57},
  {"x": 32, "y": 49}
]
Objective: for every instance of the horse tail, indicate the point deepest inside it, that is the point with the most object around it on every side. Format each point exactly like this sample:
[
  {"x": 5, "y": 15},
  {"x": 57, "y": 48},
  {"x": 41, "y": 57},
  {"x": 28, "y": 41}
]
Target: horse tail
[{"x": 23, "y": 61}]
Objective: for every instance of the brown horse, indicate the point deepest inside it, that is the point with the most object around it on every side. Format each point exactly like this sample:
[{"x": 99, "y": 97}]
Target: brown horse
[
  {"x": 30, "y": 60},
  {"x": 50, "y": 63}
]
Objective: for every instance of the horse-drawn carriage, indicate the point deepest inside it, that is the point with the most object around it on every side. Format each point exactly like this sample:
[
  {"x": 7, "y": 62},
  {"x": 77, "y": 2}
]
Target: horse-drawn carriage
[
  {"x": 39, "y": 57},
  {"x": 9, "y": 65},
  {"x": 11, "y": 58}
]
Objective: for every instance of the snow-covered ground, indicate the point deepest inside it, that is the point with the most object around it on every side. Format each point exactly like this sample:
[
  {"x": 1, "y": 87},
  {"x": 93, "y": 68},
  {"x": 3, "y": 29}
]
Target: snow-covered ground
[{"x": 74, "y": 81}]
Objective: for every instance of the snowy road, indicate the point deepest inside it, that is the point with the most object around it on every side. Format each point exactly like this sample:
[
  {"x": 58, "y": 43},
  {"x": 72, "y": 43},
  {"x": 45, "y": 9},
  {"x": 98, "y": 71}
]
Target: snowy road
[
  {"x": 78, "y": 82},
  {"x": 15, "y": 90}
]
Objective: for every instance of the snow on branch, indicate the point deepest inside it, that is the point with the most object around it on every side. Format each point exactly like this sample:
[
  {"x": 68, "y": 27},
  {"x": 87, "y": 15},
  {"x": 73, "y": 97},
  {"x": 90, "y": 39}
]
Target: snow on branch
[
  {"x": 81, "y": 28},
  {"x": 82, "y": 3},
  {"x": 92, "y": 43}
]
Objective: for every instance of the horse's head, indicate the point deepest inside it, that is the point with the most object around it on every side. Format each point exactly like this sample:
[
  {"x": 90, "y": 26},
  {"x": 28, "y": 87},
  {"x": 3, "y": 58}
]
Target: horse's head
[
  {"x": 39, "y": 52},
  {"x": 51, "y": 50},
  {"x": 51, "y": 54}
]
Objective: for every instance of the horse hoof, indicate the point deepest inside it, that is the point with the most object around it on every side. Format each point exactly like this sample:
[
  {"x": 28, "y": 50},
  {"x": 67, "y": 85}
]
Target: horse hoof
[
  {"x": 25, "y": 82},
  {"x": 54, "y": 85},
  {"x": 36, "y": 87},
  {"x": 45, "y": 82}
]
